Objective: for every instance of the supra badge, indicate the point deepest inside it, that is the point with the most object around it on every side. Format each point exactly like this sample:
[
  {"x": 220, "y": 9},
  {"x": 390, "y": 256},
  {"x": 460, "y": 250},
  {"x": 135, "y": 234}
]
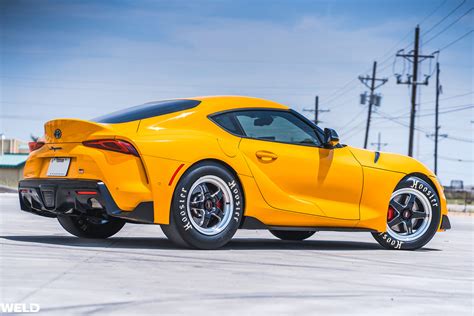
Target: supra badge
[{"x": 58, "y": 133}]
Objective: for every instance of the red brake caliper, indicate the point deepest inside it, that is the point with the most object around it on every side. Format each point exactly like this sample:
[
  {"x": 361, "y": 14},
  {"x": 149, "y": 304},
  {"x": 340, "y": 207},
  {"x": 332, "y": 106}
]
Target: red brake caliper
[{"x": 390, "y": 214}]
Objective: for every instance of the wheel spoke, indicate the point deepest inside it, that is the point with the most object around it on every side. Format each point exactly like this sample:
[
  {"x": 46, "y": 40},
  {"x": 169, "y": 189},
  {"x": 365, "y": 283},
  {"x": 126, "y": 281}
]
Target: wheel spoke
[
  {"x": 396, "y": 206},
  {"x": 409, "y": 226},
  {"x": 200, "y": 210},
  {"x": 418, "y": 214},
  {"x": 205, "y": 220},
  {"x": 411, "y": 201},
  {"x": 198, "y": 202},
  {"x": 396, "y": 221},
  {"x": 217, "y": 212},
  {"x": 217, "y": 194},
  {"x": 204, "y": 188}
]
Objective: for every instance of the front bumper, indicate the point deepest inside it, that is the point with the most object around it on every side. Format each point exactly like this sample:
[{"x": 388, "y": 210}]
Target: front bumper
[
  {"x": 445, "y": 223},
  {"x": 53, "y": 197}
]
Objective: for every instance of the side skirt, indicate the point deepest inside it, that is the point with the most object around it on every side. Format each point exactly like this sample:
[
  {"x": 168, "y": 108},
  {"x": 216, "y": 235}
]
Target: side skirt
[{"x": 253, "y": 223}]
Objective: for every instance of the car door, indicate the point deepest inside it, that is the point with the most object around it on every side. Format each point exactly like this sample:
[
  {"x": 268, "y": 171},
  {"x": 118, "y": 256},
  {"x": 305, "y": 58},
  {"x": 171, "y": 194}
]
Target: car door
[{"x": 293, "y": 171}]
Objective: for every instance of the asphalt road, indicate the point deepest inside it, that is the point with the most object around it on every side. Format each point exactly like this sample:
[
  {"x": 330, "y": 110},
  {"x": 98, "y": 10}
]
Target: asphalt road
[{"x": 139, "y": 272}]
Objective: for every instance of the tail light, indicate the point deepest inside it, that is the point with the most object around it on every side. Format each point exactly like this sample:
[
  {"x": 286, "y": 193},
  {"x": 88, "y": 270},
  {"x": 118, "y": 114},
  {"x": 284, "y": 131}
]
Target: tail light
[
  {"x": 112, "y": 145},
  {"x": 35, "y": 145}
]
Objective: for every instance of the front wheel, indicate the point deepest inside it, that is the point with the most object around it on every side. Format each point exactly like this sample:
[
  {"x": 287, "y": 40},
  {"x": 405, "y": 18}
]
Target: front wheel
[
  {"x": 292, "y": 235},
  {"x": 413, "y": 216},
  {"x": 207, "y": 208},
  {"x": 87, "y": 228}
]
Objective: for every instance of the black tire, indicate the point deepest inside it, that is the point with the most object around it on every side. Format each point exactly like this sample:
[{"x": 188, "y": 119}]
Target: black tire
[
  {"x": 292, "y": 235},
  {"x": 183, "y": 230},
  {"x": 81, "y": 227},
  {"x": 389, "y": 239}
]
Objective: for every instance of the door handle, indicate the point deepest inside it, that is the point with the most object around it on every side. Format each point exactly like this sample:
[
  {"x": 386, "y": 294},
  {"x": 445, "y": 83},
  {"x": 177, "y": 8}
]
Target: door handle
[{"x": 266, "y": 155}]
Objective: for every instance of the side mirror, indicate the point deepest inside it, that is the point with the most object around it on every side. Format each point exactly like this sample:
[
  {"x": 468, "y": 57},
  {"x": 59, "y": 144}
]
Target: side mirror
[{"x": 331, "y": 139}]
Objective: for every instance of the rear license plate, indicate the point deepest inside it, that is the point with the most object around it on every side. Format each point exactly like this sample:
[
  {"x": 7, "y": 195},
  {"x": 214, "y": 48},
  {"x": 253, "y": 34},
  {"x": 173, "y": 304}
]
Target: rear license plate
[{"x": 58, "y": 167}]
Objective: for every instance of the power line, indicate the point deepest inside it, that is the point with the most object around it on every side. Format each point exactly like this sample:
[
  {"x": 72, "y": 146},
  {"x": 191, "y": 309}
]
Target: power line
[
  {"x": 456, "y": 40},
  {"x": 461, "y": 139},
  {"x": 450, "y": 111},
  {"x": 456, "y": 108},
  {"x": 404, "y": 115},
  {"x": 449, "y": 26},
  {"x": 352, "y": 120},
  {"x": 448, "y": 98},
  {"x": 408, "y": 34},
  {"x": 334, "y": 97},
  {"x": 355, "y": 130},
  {"x": 444, "y": 18},
  {"x": 427, "y": 133},
  {"x": 433, "y": 12},
  {"x": 391, "y": 55},
  {"x": 338, "y": 93},
  {"x": 438, "y": 23},
  {"x": 455, "y": 159}
]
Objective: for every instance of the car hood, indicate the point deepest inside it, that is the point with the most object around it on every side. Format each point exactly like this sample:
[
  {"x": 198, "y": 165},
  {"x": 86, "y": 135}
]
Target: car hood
[{"x": 389, "y": 161}]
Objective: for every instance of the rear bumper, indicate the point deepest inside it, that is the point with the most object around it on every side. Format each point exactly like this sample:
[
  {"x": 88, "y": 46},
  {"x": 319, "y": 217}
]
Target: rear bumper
[{"x": 52, "y": 197}]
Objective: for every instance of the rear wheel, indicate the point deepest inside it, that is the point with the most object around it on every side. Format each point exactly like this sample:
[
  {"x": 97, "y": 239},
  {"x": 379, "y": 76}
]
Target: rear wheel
[
  {"x": 91, "y": 228},
  {"x": 413, "y": 216},
  {"x": 292, "y": 235},
  {"x": 207, "y": 208}
]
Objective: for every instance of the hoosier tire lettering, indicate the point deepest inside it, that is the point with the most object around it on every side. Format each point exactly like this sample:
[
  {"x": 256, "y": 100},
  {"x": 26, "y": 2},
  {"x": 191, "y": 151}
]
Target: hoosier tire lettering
[
  {"x": 416, "y": 184},
  {"x": 414, "y": 215},
  {"x": 237, "y": 209},
  {"x": 182, "y": 209},
  {"x": 207, "y": 207}
]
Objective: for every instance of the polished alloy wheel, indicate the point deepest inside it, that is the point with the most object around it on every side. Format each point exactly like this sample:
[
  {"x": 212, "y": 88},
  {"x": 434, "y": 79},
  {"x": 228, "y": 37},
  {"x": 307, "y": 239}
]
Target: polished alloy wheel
[
  {"x": 409, "y": 214},
  {"x": 209, "y": 205}
]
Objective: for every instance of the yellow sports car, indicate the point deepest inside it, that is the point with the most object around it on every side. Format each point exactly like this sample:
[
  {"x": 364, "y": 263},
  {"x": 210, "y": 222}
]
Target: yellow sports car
[{"x": 206, "y": 166}]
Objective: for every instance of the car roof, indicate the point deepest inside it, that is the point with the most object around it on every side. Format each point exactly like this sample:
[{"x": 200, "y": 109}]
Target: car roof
[{"x": 213, "y": 104}]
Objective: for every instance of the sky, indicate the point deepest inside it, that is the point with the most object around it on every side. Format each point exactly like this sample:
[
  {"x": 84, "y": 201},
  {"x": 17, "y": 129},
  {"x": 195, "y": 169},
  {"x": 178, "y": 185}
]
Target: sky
[{"x": 82, "y": 59}]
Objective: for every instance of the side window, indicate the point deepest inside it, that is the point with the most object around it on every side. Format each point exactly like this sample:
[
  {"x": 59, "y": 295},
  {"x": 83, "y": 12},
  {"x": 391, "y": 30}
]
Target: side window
[
  {"x": 279, "y": 126},
  {"x": 227, "y": 122}
]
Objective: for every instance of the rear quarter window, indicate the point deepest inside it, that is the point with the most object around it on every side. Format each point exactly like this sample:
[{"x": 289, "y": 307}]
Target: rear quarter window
[
  {"x": 228, "y": 122},
  {"x": 147, "y": 110}
]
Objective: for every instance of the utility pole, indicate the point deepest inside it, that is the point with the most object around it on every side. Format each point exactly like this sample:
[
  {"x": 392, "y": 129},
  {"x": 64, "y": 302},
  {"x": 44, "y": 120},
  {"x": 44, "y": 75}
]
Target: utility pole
[
  {"x": 415, "y": 58},
  {"x": 438, "y": 88},
  {"x": 416, "y": 53},
  {"x": 365, "y": 80},
  {"x": 379, "y": 142},
  {"x": 316, "y": 110}
]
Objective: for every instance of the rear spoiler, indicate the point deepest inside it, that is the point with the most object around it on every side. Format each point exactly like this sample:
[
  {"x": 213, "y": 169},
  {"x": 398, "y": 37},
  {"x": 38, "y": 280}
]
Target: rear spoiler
[{"x": 74, "y": 130}]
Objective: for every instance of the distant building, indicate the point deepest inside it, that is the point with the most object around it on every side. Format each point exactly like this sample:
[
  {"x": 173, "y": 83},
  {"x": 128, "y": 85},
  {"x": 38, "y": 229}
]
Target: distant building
[
  {"x": 11, "y": 169},
  {"x": 14, "y": 146},
  {"x": 457, "y": 184}
]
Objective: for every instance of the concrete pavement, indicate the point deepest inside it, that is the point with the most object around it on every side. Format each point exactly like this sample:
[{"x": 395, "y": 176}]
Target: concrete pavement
[{"x": 139, "y": 272}]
